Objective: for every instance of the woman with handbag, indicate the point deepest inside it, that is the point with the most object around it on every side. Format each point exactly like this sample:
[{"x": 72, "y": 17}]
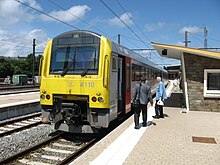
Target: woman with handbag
[
  {"x": 161, "y": 95},
  {"x": 141, "y": 96}
]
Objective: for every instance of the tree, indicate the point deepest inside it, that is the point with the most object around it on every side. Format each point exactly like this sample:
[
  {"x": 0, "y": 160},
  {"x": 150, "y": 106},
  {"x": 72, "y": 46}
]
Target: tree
[
  {"x": 9, "y": 66},
  {"x": 6, "y": 69}
]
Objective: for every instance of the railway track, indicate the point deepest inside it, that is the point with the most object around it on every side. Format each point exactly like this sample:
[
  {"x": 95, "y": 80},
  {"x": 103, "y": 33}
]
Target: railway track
[
  {"x": 60, "y": 149},
  {"x": 20, "y": 123}
]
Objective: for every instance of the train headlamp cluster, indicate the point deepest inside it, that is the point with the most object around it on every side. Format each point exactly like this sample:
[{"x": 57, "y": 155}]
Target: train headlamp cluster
[
  {"x": 43, "y": 96},
  {"x": 100, "y": 99}
]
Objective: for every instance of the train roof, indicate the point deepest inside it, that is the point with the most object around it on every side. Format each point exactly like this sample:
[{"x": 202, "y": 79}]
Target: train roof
[
  {"x": 116, "y": 48},
  {"x": 119, "y": 49}
]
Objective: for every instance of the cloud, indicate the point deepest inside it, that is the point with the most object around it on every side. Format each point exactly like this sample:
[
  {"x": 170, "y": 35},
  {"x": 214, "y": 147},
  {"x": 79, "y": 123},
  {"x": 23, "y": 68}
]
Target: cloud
[
  {"x": 192, "y": 29},
  {"x": 154, "y": 26},
  {"x": 13, "y": 45},
  {"x": 126, "y": 18},
  {"x": 73, "y": 14},
  {"x": 12, "y": 12},
  {"x": 180, "y": 43},
  {"x": 15, "y": 17}
]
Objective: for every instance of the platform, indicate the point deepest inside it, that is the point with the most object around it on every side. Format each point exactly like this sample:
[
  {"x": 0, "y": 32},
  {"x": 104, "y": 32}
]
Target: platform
[
  {"x": 14, "y": 105},
  {"x": 18, "y": 99},
  {"x": 168, "y": 141}
]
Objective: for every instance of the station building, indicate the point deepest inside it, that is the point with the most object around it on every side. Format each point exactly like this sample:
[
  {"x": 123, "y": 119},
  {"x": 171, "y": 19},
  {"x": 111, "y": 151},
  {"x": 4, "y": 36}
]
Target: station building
[{"x": 200, "y": 76}]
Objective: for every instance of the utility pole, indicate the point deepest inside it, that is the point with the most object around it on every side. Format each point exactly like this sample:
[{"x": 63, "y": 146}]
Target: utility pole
[
  {"x": 186, "y": 39},
  {"x": 33, "y": 80},
  {"x": 119, "y": 39},
  {"x": 205, "y": 40}
]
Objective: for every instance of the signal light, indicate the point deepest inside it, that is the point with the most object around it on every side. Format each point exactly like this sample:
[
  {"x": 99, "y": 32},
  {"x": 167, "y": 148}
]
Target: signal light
[
  {"x": 42, "y": 96},
  {"x": 94, "y": 99},
  {"x": 100, "y": 99},
  {"x": 48, "y": 97}
]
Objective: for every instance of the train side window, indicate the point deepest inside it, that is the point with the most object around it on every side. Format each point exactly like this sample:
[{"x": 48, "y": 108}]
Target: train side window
[
  {"x": 114, "y": 63},
  {"x": 138, "y": 73},
  {"x": 133, "y": 72},
  {"x": 212, "y": 83},
  {"x": 150, "y": 74},
  {"x": 128, "y": 81},
  {"x": 147, "y": 73}
]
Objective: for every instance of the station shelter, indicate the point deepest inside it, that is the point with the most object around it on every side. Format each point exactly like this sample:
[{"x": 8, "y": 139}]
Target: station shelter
[{"x": 200, "y": 75}]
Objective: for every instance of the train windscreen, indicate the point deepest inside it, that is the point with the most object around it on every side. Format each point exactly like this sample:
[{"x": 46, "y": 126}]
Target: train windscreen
[{"x": 75, "y": 54}]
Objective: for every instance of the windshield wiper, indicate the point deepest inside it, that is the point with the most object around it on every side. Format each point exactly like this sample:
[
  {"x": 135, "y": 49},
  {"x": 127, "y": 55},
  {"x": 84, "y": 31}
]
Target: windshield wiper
[
  {"x": 69, "y": 65},
  {"x": 67, "y": 69},
  {"x": 88, "y": 67}
]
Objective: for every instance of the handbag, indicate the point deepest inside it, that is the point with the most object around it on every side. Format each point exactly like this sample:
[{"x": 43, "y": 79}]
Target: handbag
[
  {"x": 160, "y": 102},
  {"x": 150, "y": 113},
  {"x": 136, "y": 101}
]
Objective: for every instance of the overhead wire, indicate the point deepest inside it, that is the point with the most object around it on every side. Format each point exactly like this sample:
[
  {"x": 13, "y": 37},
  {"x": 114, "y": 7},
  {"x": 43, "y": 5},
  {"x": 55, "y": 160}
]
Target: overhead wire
[
  {"x": 78, "y": 18},
  {"x": 126, "y": 25},
  {"x": 196, "y": 37},
  {"x": 150, "y": 50},
  {"x": 16, "y": 44},
  {"x": 10, "y": 43},
  {"x": 132, "y": 20},
  {"x": 121, "y": 21},
  {"x": 209, "y": 47},
  {"x": 129, "y": 40},
  {"x": 203, "y": 36},
  {"x": 14, "y": 36},
  {"x": 25, "y": 4},
  {"x": 133, "y": 38}
]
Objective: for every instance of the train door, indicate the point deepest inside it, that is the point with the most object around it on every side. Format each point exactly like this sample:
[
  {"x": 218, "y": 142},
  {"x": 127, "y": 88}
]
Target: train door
[
  {"x": 127, "y": 84},
  {"x": 120, "y": 86}
]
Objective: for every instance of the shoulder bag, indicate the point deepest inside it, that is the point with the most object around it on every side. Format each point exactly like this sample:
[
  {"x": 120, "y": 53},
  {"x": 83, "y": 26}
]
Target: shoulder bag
[{"x": 136, "y": 101}]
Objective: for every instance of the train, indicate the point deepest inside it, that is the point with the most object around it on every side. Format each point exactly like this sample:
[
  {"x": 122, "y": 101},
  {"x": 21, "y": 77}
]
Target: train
[{"x": 87, "y": 81}]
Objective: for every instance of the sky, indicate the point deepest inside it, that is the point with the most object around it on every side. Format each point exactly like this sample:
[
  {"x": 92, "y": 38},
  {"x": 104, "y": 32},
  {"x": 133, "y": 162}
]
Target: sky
[{"x": 139, "y": 22}]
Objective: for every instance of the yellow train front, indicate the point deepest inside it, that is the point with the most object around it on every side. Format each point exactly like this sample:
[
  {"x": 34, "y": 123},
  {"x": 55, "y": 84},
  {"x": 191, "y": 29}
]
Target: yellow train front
[
  {"x": 75, "y": 84},
  {"x": 87, "y": 81}
]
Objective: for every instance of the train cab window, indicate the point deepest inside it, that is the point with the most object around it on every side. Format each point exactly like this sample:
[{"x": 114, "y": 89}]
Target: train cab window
[
  {"x": 212, "y": 83},
  {"x": 74, "y": 60}
]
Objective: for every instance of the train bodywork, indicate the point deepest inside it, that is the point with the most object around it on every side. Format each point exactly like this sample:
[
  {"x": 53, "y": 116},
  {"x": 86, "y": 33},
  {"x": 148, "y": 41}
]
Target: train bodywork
[{"x": 86, "y": 81}]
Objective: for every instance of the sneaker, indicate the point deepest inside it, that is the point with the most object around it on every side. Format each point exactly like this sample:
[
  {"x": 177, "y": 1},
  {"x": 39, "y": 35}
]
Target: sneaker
[
  {"x": 156, "y": 117},
  {"x": 144, "y": 124}
]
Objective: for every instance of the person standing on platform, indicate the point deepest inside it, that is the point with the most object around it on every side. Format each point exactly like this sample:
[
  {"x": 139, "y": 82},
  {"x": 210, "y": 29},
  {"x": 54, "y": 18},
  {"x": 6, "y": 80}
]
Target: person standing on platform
[
  {"x": 143, "y": 93},
  {"x": 160, "y": 95}
]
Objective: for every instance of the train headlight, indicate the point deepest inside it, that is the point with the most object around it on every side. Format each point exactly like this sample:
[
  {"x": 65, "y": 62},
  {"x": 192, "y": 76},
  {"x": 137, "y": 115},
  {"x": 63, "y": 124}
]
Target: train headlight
[
  {"x": 100, "y": 99},
  {"x": 48, "y": 97},
  {"x": 94, "y": 99},
  {"x": 42, "y": 96}
]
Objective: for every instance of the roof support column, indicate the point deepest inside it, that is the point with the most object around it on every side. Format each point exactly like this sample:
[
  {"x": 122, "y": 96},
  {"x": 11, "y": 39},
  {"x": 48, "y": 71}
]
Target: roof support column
[{"x": 185, "y": 90}]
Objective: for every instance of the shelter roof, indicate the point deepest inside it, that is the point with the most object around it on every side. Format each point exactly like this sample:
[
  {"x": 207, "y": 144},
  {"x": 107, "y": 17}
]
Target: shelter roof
[{"x": 173, "y": 51}]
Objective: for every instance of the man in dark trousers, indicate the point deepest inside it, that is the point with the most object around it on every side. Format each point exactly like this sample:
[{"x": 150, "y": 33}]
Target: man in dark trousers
[{"x": 142, "y": 92}]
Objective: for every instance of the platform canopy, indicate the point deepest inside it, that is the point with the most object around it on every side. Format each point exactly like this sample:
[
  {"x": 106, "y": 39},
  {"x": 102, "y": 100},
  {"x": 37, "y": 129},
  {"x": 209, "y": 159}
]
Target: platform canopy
[{"x": 173, "y": 51}]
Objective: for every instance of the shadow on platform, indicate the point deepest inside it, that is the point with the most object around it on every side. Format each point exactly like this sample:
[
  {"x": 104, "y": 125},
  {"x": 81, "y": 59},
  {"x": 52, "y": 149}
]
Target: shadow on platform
[{"x": 175, "y": 100}]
